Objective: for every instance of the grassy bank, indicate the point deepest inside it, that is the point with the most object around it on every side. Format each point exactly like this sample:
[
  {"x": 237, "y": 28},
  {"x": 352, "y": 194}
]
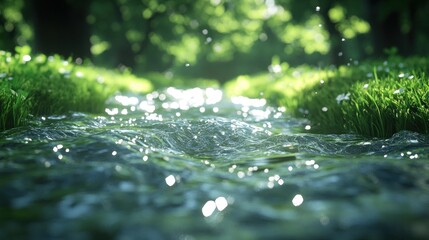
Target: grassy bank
[
  {"x": 371, "y": 98},
  {"x": 41, "y": 85},
  {"x": 376, "y": 99}
]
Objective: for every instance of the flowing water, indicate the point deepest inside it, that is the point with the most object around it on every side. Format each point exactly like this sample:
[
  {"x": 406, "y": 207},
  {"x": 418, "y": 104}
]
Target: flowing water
[{"x": 192, "y": 164}]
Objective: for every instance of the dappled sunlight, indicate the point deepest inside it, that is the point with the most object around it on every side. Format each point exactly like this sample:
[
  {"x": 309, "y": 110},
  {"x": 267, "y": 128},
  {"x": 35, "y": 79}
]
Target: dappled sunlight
[
  {"x": 226, "y": 119},
  {"x": 196, "y": 164},
  {"x": 170, "y": 180},
  {"x": 210, "y": 206},
  {"x": 297, "y": 200}
]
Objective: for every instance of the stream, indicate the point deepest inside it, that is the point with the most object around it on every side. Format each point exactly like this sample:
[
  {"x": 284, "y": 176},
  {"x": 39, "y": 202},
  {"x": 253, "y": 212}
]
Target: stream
[{"x": 194, "y": 164}]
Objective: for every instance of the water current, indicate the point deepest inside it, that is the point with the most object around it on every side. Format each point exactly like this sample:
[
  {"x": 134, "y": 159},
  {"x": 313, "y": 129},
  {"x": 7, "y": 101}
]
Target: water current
[{"x": 194, "y": 164}]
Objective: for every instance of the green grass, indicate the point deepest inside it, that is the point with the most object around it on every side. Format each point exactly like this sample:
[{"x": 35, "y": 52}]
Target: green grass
[
  {"x": 40, "y": 85},
  {"x": 375, "y": 99}
]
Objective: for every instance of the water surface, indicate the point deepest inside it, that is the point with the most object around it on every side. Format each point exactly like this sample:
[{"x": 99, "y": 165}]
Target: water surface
[{"x": 192, "y": 164}]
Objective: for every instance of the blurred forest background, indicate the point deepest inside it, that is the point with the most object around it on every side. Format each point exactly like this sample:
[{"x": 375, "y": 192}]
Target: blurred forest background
[{"x": 215, "y": 38}]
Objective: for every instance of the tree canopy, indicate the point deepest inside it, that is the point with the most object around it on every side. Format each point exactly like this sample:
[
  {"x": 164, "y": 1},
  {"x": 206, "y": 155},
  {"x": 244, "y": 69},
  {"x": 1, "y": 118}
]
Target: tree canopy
[{"x": 215, "y": 38}]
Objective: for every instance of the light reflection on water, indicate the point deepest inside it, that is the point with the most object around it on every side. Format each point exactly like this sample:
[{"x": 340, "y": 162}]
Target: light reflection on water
[{"x": 193, "y": 163}]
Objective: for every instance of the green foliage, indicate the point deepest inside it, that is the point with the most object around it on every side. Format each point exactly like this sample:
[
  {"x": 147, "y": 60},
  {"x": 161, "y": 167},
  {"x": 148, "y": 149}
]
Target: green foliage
[
  {"x": 14, "y": 30},
  {"x": 179, "y": 32},
  {"x": 371, "y": 98},
  {"x": 39, "y": 85},
  {"x": 162, "y": 81},
  {"x": 236, "y": 36},
  {"x": 399, "y": 100},
  {"x": 282, "y": 85}
]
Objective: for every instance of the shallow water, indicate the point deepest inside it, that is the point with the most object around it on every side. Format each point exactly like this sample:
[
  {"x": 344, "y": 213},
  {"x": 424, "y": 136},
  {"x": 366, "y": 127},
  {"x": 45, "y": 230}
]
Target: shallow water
[{"x": 194, "y": 165}]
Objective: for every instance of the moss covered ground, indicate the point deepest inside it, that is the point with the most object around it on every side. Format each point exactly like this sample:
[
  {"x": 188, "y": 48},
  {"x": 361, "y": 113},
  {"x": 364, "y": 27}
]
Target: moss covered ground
[{"x": 374, "y": 98}]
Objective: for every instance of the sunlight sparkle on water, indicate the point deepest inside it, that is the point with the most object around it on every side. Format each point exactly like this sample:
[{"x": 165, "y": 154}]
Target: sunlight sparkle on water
[
  {"x": 154, "y": 117},
  {"x": 195, "y": 97},
  {"x": 241, "y": 174},
  {"x": 232, "y": 168},
  {"x": 58, "y": 147},
  {"x": 147, "y": 106},
  {"x": 297, "y": 200},
  {"x": 221, "y": 203},
  {"x": 170, "y": 180},
  {"x": 127, "y": 101},
  {"x": 260, "y": 114},
  {"x": 310, "y": 162},
  {"x": 210, "y": 206},
  {"x": 249, "y": 102},
  {"x": 111, "y": 112}
]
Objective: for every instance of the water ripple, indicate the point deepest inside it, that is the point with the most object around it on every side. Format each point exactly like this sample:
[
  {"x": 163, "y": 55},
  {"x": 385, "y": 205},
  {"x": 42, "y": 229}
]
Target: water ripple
[{"x": 170, "y": 164}]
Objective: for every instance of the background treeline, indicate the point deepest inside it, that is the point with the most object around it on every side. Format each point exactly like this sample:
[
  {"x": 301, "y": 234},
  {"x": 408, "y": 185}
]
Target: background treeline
[{"x": 215, "y": 38}]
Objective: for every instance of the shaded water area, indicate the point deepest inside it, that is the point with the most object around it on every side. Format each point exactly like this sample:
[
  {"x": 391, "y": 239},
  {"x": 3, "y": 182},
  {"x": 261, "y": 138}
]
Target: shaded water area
[{"x": 192, "y": 164}]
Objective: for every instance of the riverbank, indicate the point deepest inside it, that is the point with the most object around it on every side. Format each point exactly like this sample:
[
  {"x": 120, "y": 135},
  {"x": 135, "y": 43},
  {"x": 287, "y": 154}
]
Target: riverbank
[
  {"x": 374, "y": 98},
  {"x": 42, "y": 85}
]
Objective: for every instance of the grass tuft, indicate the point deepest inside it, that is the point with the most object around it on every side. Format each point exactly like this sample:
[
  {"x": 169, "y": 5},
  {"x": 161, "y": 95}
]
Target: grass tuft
[
  {"x": 375, "y": 99},
  {"x": 42, "y": 85}
]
